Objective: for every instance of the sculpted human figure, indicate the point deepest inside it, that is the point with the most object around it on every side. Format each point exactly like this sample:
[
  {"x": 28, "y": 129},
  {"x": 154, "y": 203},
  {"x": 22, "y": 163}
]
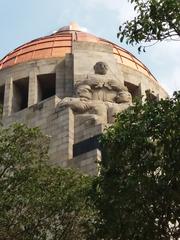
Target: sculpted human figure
[
  {"x": 121, "y": 102},
  {"x": 79, "y": 103},
  {"x": 83, "y": 103},
  {"x": 104, "y": 87},
  {"x": 99, "y": 95},
  {"x": 101, "y": 68}
]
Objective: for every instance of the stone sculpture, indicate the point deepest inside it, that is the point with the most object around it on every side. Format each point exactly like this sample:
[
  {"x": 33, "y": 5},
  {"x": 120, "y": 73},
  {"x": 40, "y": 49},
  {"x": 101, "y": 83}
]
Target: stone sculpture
[{"x": 98, "y": 96}]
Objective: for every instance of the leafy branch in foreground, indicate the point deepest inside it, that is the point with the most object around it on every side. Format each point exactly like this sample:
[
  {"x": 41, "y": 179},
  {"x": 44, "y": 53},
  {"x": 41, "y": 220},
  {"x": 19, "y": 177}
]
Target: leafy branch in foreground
[{"x": 156, "y": 20}]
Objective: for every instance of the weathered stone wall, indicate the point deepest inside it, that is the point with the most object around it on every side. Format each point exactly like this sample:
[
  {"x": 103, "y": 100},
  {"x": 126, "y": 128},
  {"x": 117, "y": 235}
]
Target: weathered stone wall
[
  {"x": 86, "y": 54},
  {"x": 143, "y": 82}
]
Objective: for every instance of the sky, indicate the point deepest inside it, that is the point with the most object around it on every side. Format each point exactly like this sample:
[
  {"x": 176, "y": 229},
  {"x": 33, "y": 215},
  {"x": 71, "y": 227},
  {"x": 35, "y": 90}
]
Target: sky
[{"x": 23, "y": 21}]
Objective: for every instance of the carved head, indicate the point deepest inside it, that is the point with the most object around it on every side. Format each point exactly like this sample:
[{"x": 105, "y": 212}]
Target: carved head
[
  {"x": 84, "y": 91},
  {"x": 123, "y": 96},
  {"x": 100, "y": 68}
]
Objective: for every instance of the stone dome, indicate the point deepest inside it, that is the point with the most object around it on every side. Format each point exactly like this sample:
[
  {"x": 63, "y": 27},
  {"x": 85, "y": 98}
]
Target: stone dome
[{"x": 61, "y": 42}]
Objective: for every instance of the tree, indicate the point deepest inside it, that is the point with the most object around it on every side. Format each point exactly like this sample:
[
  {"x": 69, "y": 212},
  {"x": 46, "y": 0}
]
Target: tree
[
  {"x": 138, "y": 190},
  {"x": 38, "y": 201},
  {"x": 156, "y": 20}
]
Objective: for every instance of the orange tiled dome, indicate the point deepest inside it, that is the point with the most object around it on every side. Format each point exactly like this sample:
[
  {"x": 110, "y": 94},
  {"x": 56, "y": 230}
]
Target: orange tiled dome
[{"x": 60, "y": 43}]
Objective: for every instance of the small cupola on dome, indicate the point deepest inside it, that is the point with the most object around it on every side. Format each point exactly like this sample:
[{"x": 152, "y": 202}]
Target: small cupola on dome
[{"x": 73, "y": 26}]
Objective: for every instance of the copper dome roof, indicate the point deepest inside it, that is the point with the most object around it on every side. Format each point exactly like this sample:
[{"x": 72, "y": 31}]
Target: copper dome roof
[{"x": 59, "y": 44}]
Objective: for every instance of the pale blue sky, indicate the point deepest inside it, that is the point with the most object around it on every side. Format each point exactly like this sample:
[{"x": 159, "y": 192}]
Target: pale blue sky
[{"x": 24, "y": 20}]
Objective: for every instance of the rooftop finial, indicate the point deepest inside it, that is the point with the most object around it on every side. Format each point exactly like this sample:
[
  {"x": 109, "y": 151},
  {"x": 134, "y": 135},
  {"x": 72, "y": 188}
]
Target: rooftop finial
[{"x": 72, "y": 26}]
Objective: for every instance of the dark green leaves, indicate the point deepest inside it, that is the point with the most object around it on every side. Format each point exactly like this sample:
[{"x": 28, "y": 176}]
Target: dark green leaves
[
  {"x": 138, "y": 193},
  {"x": 39, "y": 201},
  {"x": 156, "y": 20}
]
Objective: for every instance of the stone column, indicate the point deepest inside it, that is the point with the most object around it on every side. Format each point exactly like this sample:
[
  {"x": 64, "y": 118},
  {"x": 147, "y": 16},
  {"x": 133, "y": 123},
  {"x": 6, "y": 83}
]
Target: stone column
[
  {"x": 60, "y": 80},
  {"x": 33, "y": 88},
  {"x": 68, "y": 75},
  {"x": 63, "y": 139},
  {"x": 8, "y": 97},
  {"x": 142, "y": 91}
]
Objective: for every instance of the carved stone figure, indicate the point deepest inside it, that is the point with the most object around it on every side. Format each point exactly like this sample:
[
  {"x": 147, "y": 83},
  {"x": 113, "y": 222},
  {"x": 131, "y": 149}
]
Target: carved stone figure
[
  {"x": 83, "y": 103},
  {"x": 100, "y": 68},
  {"x": 98, "y": 96},
  {"x": 123, "y": 96},
  {"x": 122, "y": 101},
  {"x": 104, "y": 87}
]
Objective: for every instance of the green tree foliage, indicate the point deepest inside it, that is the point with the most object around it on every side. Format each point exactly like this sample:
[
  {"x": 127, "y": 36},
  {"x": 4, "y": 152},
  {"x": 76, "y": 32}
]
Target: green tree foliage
[
  {"x": 138, "y": 190},
  {"x": 38, "y": 201},
  {"x": 156, "y": 20}
]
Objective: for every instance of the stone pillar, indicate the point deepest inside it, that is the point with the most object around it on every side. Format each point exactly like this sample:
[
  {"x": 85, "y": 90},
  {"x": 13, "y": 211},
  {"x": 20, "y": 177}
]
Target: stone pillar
[
  {"x": 142, "y": 91},
  {"x": 64, "y": 77},
  {"x": 8, "y": 97},
  {"x": 63, "y": 139},
  {"x": 60, "y": 80},
  {"x": 33, "y": 88},
  {"x": 68, "y": 75}
]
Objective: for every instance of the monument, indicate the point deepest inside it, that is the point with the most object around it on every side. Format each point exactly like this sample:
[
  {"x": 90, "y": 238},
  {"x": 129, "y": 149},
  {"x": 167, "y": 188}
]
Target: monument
[{"x": 71, "y": 84}]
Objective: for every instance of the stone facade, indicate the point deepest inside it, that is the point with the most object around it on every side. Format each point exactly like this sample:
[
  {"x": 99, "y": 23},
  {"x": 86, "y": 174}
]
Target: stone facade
[{"x": 72, "y": 99}]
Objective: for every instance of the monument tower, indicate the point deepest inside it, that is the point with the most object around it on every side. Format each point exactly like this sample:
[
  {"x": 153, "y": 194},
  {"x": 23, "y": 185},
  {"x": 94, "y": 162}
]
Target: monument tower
[{"x": 71, "y": 84}]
